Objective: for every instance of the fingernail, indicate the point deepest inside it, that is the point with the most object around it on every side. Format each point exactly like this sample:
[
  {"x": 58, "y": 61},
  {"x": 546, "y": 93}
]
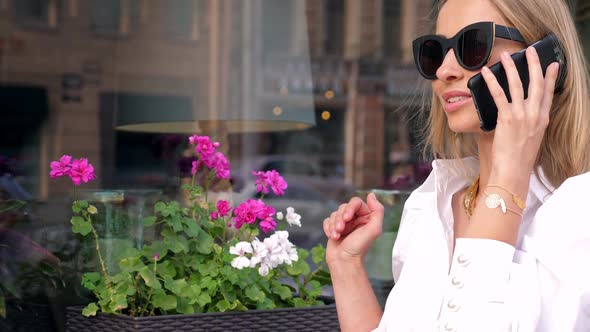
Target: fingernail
[
  {"x": 345, "y": 216},
  {"x": 533, "y": 50},
  {"x": 506, "y": 55},
  {"x": 485, "y": 70},
  {"x": 556, "y": 65},
  {"x": 334, "y": 234}
]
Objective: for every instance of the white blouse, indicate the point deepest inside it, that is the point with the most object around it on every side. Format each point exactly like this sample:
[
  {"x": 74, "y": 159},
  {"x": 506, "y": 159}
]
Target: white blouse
[{"x": 541, "y": 285}]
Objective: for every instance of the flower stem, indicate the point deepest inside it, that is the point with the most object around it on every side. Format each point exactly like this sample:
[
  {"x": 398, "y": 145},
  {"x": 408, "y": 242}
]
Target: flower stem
[{"x": 102, "y": 266}]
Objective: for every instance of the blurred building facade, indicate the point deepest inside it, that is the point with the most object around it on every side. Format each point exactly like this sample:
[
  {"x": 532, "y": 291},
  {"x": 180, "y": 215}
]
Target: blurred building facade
[{"x": 219, "y": 53}]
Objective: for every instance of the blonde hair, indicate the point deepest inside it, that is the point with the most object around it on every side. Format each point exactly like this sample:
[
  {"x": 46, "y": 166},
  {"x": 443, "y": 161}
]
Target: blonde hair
[{"x": 565, "y": 149}]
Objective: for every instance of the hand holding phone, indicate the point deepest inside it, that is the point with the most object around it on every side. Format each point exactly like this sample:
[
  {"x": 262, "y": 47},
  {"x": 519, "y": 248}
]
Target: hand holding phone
[{"x": 549, "y": 50}]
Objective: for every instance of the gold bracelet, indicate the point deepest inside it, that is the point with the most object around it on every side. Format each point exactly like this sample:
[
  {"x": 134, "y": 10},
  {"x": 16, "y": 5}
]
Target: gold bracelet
[
  {"x": 517, "y": 200},
  {"x": 494, "y": 200}
]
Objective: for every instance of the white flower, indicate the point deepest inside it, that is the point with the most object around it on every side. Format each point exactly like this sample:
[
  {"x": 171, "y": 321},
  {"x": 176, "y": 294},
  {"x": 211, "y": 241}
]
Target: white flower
[
  {"x": 292, "y": 217},
  {"x": 260, "y": 252},
  {"x": 240, "y": 262},
  {"x": 275, "y": 251},
  {"x": 293, "y": 256},
  {"x": 240, "y": 249},
  {"x": 263, "y": 270},
  {"x": 279, "y": 215}
]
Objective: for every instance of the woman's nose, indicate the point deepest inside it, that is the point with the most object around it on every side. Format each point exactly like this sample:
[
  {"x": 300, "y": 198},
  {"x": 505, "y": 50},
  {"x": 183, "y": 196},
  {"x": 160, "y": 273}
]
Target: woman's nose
[{"x": 450, "y": 69}]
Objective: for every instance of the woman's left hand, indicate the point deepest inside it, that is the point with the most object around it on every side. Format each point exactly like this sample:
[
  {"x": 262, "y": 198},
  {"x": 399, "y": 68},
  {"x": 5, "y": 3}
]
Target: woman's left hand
[{"x": 521, "y": 123}]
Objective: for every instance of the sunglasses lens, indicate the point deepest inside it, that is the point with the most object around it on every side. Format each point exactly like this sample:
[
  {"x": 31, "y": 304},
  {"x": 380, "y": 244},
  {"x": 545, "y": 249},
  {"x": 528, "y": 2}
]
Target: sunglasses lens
[
  {"x": 473, "y": 48},
  {"x": 431, "y": 57}
]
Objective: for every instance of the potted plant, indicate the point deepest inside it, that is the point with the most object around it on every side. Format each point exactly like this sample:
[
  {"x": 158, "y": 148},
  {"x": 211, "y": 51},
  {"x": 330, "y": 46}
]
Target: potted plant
[{"x": 214, "y": 267}]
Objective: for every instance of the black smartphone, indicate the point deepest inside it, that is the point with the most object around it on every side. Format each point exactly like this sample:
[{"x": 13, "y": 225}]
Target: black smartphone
[{"x": 549, "y": 50}]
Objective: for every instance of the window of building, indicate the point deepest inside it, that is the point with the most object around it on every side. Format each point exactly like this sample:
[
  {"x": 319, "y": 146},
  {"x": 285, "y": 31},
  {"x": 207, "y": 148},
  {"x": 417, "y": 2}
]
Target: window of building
[
  {"x": 277, "y": 25},
  {"x": 113, "y": 16},
  {"x": 334, "y": 27},
  {"x": 37, "y": 14},
  {"x": 181, "y": 18},
  {"x": 391, "y": 28}
]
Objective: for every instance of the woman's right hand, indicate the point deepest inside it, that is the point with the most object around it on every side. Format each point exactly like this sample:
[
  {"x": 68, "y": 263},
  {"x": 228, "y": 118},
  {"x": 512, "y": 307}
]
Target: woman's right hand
[{"x": 352, "y": 229}]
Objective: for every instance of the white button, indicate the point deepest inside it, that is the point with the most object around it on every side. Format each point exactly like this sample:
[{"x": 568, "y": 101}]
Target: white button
[
  {"x": 449, "y": 327},
  {"x": 452, "y": 305},
  {"x": 456, "y": 282},
  {"x": 463, "y": 260}
]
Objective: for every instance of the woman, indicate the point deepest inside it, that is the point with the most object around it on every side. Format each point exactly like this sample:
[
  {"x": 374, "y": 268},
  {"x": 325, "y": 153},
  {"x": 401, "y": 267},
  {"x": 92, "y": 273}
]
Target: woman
[{"x": 499, "y": 241}]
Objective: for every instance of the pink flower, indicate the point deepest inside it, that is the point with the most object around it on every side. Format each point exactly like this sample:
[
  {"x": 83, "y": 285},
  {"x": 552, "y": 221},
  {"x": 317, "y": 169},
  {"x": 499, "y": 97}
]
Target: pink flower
[
  {"x": 221, "y": 165},
  {"x": 81, "y": 171},
  {"x": 276, "y": 182},
  {"x": 271, "y": 179},
  {"x": 248, "y": 212},
  {"x": 214, "y": 215},
  {"x": 261, "y": 185},
  {"x": 61, "y": 167},
  {"x": 268, "y": 225},
  {"x": 156, "y": 256},
  {"x": 223, "y": 208},
  {"x": 204, "y": 147}
]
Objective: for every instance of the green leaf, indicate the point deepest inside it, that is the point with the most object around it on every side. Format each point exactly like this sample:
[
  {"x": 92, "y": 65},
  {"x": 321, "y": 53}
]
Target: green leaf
[
  {"x": 131, "y": 264},
  {"x": 230, "y": 274},
  {"x": 90, "y": 310},
  {"x": 92, "y": 209},
  {"x": 318, "y": 253},
  {"x": 193, "y": 293},
  {"x": 150, "y": 278},
  {"x": 164, "y": 301},
  {"x": 208, "y": 268},
  {"x": 223, "y": 305},
  {"x": 204, "y": 243},
  {"x": 283, "y": 292},
  {"x": 184, "y": 307},
  {"x": 76, "y": 207},
  {"x": 299, "y": 267},
  {"x": 175, "y": 222},
  {"x": 119, "y": 302},
  {"x": 177, "y": 244},
  {"x": 266, "y": 304},
  {"x": 299, "y": 302},
  {"x": 90, "y": 279},
  {"x": 323, "y": 276},
  {"x": 166, "y": 270},
  {"x": 191, "y": 228},
  {"x": 156, "y": 247},
  {"x": 149, "y": 221},
  {"x": 176, "y": 286},
  {"x": 160, "y": 206},
  {"x": 208, "y": 283},
  {"x": 228, "y": 291},
  {"x": 203, "y": 299},
  {"x": 80, "y": 226},
  {"x": 83, "y": 204},
  {"x": 254, "y": 293},
  {"x": 315, "y": 288}
]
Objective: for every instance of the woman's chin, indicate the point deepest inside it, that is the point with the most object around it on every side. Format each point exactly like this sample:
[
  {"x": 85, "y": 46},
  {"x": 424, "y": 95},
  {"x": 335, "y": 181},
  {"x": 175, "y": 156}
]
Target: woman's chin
[{"x": 464, "y": 127}]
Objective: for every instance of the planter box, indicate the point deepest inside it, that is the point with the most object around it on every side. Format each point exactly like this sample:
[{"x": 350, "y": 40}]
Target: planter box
[{"x": 321, "y": 318}]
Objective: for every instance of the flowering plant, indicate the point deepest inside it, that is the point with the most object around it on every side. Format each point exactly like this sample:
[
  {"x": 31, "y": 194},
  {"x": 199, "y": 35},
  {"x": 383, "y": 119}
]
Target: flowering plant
[{"x": 209, "y": 257}]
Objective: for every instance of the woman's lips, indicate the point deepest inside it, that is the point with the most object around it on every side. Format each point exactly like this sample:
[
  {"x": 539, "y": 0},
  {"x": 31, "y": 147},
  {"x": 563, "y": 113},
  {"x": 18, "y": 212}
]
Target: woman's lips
[{"x": 451, "y": 107}]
